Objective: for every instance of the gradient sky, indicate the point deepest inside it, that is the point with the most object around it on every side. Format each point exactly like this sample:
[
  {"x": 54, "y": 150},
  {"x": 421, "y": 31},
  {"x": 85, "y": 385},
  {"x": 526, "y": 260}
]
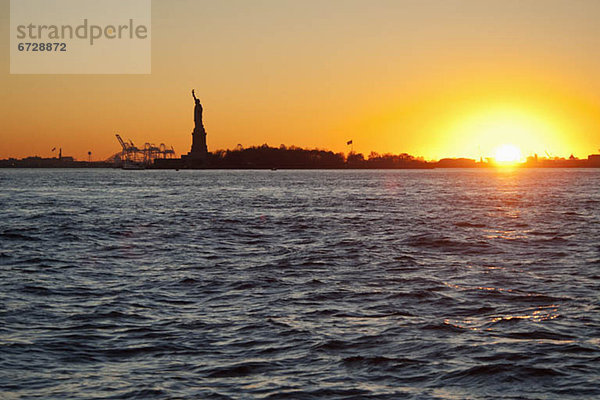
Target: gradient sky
[{"x": 433, "y": 78}]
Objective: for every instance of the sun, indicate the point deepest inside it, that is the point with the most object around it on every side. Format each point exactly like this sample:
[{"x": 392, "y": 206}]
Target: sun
[
  {"x": 508, "y": 154},
  {"x": 503, "y": 132}
]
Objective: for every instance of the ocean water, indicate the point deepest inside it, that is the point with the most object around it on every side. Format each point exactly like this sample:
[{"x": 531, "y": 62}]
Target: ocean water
[{"x": 434, "y": 284}]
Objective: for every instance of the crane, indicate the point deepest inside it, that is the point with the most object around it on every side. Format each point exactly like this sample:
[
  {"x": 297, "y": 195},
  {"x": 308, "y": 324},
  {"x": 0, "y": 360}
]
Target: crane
[{"x": 147, "y": 154}]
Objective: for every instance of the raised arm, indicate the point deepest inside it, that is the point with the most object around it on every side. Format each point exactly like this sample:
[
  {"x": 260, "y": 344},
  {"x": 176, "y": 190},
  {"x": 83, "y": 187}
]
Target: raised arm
[{"x": 194, "y": 95}]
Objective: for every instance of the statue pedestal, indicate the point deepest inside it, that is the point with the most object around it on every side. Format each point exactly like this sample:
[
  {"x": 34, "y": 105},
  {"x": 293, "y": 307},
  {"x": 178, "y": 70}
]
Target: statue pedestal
[{"x": 198, "y": 156}]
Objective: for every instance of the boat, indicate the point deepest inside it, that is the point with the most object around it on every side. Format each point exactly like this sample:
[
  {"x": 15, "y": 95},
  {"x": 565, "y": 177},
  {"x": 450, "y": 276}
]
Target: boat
[{"x": 132, "y": 165}]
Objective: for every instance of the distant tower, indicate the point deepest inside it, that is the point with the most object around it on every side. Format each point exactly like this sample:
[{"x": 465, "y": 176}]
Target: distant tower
[{"x": 199, "y": 151}]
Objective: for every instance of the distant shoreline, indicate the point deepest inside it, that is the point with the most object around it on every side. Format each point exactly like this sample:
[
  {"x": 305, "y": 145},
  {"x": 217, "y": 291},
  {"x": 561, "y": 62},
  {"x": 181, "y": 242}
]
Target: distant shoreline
[
  {"x": 265, "y": 157},
  {"x": 430, "y": 166}
]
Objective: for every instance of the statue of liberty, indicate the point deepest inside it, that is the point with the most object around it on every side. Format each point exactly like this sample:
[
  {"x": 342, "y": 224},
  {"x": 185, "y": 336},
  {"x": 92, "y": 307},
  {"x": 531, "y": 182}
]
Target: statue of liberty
[
  {"x": 197, "y": 111},
  {"x": 199, "y": 149}
]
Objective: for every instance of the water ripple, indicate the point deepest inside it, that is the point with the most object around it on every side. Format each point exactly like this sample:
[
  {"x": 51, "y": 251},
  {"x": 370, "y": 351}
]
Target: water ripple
[{"x": 456, "y": 284}]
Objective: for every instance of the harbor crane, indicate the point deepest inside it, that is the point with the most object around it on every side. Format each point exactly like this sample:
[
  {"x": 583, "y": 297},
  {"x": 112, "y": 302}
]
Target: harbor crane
[{"x": 146, "y": 155}]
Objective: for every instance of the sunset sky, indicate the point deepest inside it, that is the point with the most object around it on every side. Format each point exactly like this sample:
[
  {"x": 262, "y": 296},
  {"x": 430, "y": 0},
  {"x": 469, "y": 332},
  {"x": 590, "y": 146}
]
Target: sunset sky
[{"x": 433, "y": 78}]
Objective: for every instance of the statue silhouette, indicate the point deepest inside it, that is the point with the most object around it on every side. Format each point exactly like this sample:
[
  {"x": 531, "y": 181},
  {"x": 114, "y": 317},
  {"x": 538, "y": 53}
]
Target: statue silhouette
[
  {"x": 199, "y": 151},
  {"x": 197, "y": 111}
]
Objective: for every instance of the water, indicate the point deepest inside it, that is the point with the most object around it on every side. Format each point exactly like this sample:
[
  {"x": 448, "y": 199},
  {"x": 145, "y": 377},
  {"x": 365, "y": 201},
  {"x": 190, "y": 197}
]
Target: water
[{"x": 436, "y": 284}]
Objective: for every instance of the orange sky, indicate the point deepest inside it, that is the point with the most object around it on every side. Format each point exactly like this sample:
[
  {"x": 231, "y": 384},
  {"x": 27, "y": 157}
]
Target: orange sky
[{"x": 431, "y": 78}]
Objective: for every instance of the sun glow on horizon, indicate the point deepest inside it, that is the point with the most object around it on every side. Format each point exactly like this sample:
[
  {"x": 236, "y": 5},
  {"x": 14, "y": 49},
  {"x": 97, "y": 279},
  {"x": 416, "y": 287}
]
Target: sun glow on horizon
[
  {"x": 506, "y": 132},
  {"x": 508, "y": 154}
]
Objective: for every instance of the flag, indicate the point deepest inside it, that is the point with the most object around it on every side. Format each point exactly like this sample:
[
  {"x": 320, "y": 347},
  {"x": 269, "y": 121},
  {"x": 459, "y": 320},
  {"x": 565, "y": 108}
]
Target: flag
[{"x": 349, "y": 142}]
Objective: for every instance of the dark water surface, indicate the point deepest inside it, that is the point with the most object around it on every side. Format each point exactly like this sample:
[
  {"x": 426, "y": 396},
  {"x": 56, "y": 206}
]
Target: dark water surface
[{"x": 437, "y": 284}]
